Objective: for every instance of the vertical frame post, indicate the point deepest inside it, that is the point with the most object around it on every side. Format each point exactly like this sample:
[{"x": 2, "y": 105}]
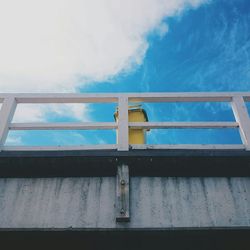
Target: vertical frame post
[
  {"x": 122, "y": 194},
  {"x": 6, "y": 114},
  {"x": 242, "y": 117},
  {"x": 123, "y": 143}
]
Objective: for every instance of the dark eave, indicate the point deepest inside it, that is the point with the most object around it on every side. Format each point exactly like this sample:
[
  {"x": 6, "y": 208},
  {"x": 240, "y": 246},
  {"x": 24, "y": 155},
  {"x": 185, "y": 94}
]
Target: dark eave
[{"x": 141, "y": 163}]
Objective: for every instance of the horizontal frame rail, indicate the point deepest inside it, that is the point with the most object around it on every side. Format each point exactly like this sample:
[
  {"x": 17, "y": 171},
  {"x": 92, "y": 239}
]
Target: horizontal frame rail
[
  {"x": 189, "y": 146},
  {"x": 133, "y": 97},
  {"x": 60, "y": 148},
  {"x": 185, "y": 125},
  {"x": 63, "y": 126}
]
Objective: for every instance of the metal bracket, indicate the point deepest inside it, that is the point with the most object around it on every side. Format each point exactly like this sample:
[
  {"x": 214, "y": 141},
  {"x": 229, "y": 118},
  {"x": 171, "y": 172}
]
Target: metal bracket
[{"x": 122, "y": 194}]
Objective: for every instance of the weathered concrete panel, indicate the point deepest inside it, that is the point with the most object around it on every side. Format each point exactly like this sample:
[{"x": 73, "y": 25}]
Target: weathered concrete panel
[
  {"x": 191, "y": 202},
  {"x": 58, "y": 202},
  {"x": 156, "y": 202}
]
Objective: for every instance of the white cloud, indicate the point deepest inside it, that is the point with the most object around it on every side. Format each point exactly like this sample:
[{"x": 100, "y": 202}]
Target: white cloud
[
  {"x": 72, "y": 138},
  {"x": 28, "y": 113},
  {"x": 14, "y": 140},
  {"x": 56, "y": 45},
  {"x": 40, "y": 113}
]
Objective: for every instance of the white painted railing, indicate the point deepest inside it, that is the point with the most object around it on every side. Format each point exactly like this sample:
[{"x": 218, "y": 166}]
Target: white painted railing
[{"x": 237, "y": 99}]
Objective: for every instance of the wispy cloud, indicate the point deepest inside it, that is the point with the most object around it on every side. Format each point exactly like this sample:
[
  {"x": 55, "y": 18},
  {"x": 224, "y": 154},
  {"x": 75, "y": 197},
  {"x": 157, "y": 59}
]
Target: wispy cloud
[
  {"x": 223, "y": 62},
  {"x": 50, "y": 112},
  {"x": 14, "y": 140}
]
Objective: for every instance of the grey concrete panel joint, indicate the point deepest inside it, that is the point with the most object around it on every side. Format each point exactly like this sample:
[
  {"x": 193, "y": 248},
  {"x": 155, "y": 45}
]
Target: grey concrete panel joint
[{"x": 122, "y": 194}]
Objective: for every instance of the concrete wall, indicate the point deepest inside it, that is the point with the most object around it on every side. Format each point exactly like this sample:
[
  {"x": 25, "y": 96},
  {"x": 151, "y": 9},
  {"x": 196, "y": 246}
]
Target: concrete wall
[{"x": 156, "y": 202}]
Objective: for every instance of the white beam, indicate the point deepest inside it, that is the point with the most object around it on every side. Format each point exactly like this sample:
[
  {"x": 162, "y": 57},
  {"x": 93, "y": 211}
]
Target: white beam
[
  {"x": 6, "y": 114},
  {"x": 185, "y": 125},
  {"x": 67, "y": 98},
  {"x": 242, "y": 117},
  {"x": 123, "y": 124},
  {"x": 113, "y": 97},
  {"x": 63, "y": 126},
  {"x": 189, "y": 146},
  {"x": 185, "y": 96},
  {"x": 60, "y": 148}
]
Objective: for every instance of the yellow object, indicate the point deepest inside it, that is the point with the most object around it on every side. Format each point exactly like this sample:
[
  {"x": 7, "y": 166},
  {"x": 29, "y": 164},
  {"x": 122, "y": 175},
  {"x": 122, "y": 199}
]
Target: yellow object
[{"x": 136, "y": 114}]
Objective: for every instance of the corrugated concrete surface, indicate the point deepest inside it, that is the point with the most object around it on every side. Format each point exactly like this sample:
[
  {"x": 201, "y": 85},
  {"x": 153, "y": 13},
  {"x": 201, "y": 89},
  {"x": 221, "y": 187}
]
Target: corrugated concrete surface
[{"x": 156, "y": 202}]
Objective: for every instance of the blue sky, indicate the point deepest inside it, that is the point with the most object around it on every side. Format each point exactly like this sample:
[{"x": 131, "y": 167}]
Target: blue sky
[{"x": 205, "y": 47}]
